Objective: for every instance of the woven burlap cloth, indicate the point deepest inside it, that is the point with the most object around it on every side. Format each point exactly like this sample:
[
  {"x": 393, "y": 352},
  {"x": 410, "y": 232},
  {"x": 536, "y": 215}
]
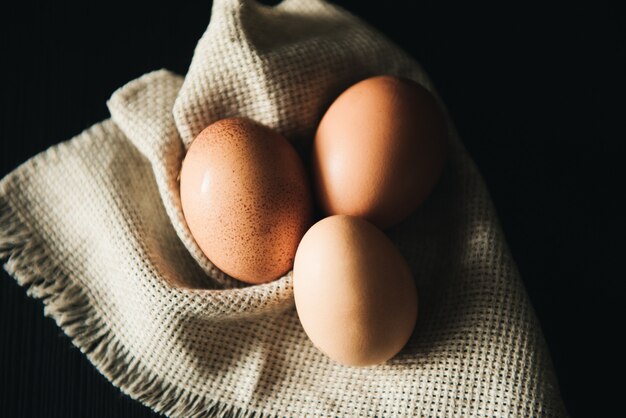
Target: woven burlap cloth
[{"x": 94, "y": 228}]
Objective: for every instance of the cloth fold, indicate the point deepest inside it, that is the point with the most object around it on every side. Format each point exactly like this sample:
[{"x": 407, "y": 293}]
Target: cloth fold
[{"x": 94, "y": 228}]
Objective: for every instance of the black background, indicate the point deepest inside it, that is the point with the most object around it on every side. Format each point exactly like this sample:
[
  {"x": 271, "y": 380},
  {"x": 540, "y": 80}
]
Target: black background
[{"x": 537, "y": 95}]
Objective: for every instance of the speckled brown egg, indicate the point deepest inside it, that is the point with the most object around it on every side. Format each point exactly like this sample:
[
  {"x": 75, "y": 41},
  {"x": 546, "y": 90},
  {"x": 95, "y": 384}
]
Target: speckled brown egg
[
  {"x": 379, "y": 150},
  {"x": 246, "y": 199}
]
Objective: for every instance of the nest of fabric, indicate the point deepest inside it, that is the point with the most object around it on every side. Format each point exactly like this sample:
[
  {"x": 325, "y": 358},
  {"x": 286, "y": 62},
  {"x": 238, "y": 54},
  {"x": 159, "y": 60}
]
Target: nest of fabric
[{"x": 94, "y": 228}]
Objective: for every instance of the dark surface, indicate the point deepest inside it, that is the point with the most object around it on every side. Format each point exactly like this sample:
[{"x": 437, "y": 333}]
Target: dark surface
[{"x": 536, "y": 94}]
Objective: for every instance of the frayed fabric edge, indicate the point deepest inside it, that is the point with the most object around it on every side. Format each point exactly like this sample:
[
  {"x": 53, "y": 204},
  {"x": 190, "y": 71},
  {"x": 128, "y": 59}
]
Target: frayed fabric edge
[{"x": 26, "y": 257}]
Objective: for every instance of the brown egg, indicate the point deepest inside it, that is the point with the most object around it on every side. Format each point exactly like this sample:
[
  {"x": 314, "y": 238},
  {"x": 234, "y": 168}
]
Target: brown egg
[
  {"x": 354, "y": 292},
  {"x": 245, "y": 198},
  {"x": 379, "y": 150}
]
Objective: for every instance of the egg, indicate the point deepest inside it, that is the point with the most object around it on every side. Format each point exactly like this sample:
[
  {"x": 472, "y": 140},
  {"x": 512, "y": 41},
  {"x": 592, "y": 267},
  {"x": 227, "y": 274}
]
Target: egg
[
  {"x": 379, "y": 150},
  {"x": 354, "y": 293},
  {"x": 246, "y": 199}
]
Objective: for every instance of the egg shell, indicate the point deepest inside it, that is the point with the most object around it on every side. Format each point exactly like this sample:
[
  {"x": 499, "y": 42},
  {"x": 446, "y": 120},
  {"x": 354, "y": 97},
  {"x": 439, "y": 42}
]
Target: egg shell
[
  {"x": 246, "y": 199},
  {"x": 379, "y": 150},
  {"x": 354, "y": 292}
]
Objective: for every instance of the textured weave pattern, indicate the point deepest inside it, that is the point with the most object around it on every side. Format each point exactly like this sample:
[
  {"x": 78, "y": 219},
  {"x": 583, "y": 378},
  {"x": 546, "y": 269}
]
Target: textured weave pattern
[{"x": 94, "y": 227}]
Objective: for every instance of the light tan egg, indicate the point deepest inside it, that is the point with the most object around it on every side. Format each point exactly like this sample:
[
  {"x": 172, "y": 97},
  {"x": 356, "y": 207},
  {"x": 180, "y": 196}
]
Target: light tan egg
[
  {"x": 379, "y": 150},
  {"x": 354, "y": 292},
  {"x": 246, "y": 199}
]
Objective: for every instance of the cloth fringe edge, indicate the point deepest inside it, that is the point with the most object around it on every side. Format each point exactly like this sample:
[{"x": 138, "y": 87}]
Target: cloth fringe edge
[{"x": 25, "y": 256}]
